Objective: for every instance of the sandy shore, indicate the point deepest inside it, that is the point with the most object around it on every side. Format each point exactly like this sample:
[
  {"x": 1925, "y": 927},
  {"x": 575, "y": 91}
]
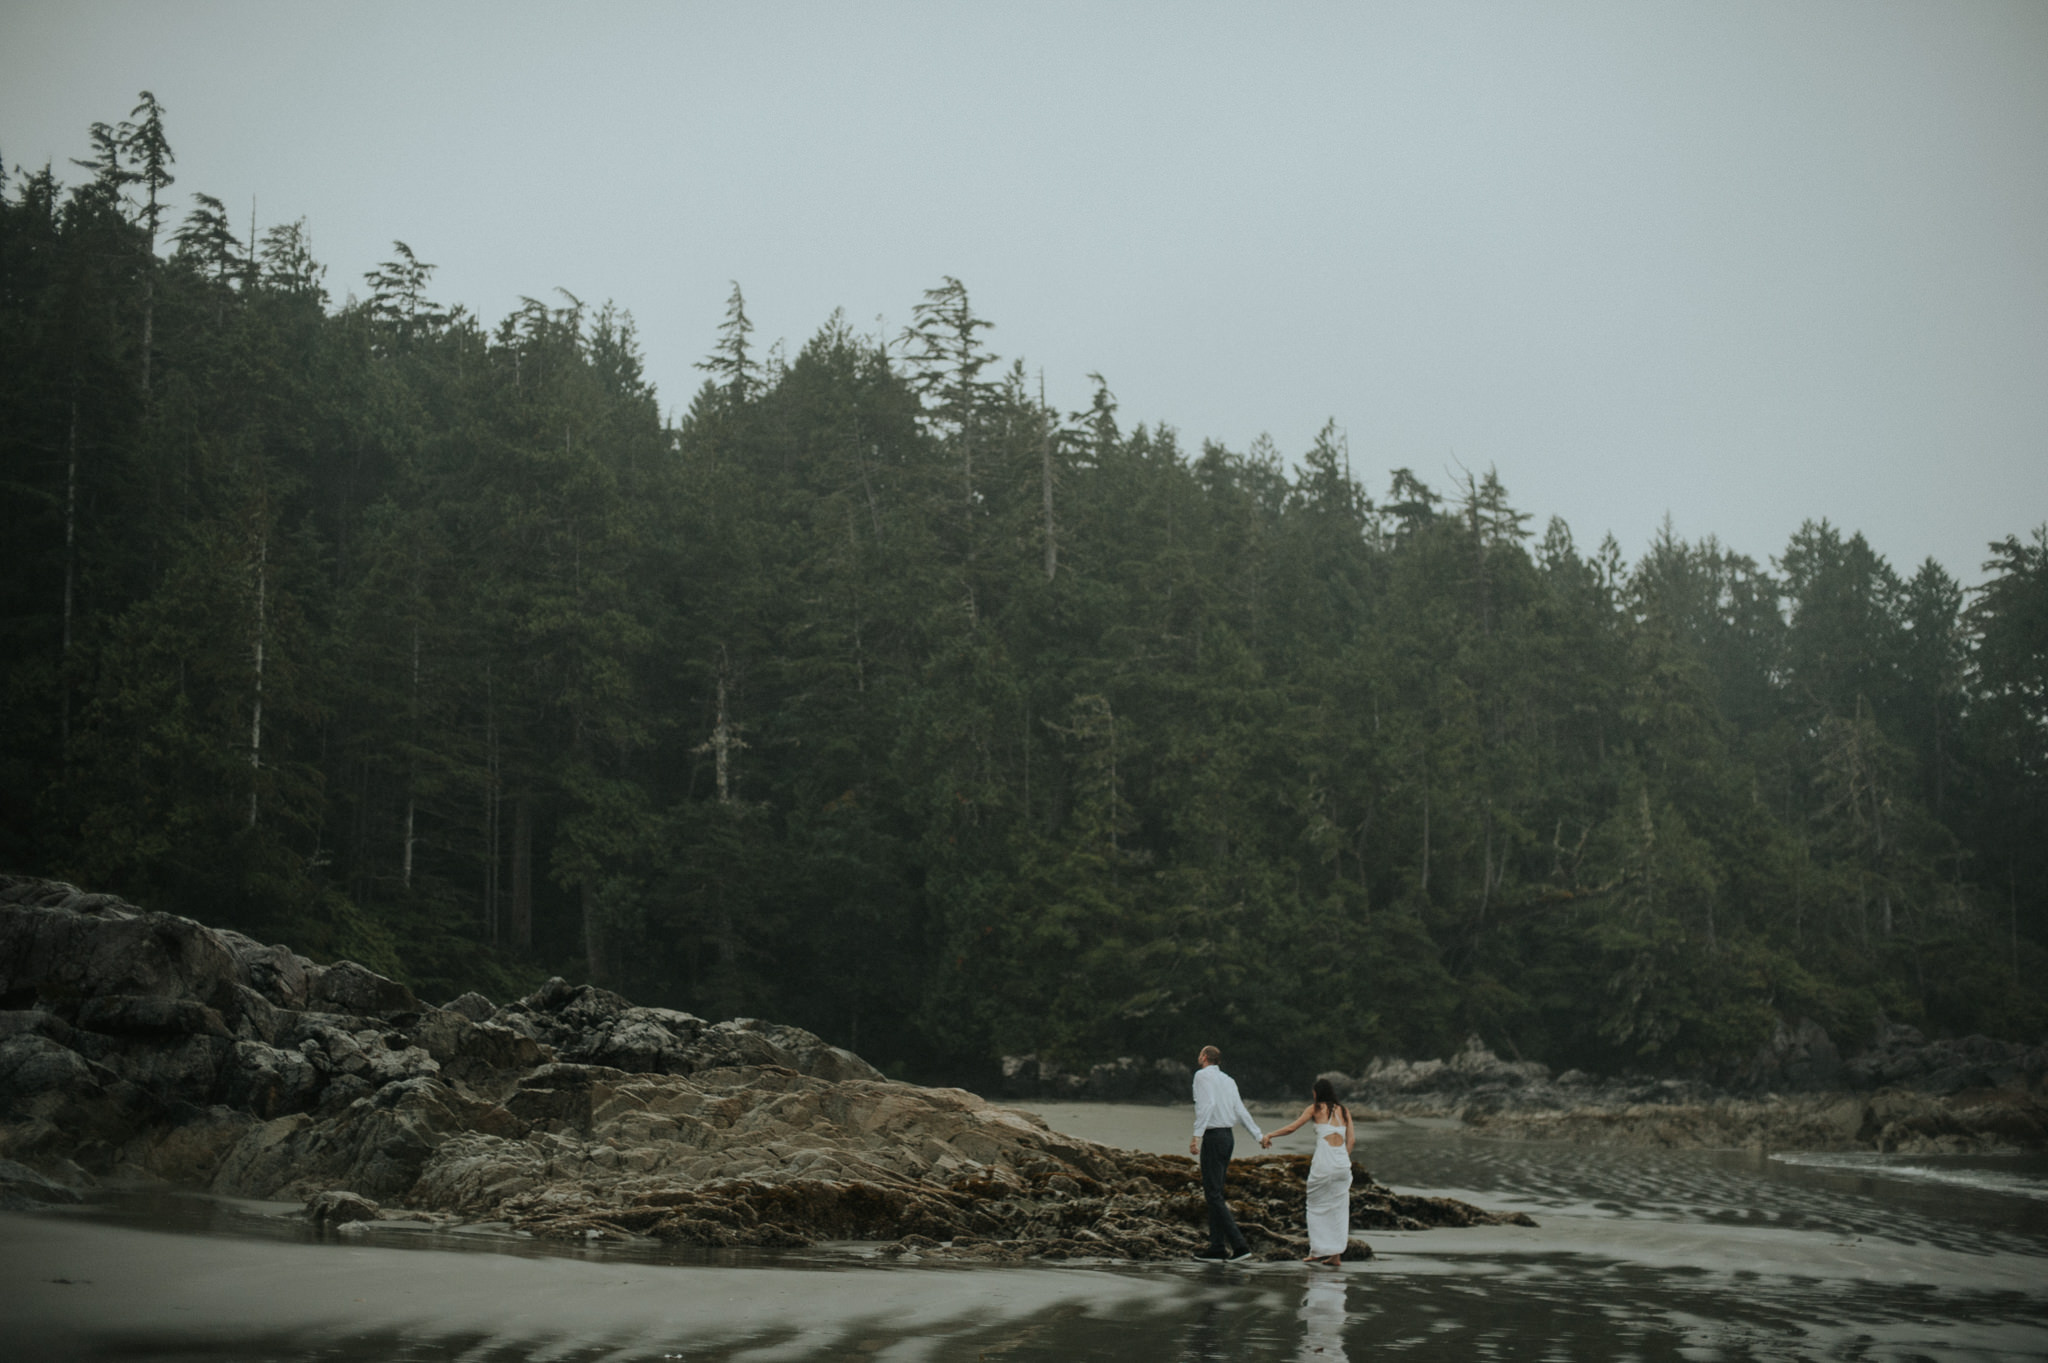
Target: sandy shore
[
  {"x": 1672, "y": 1250},
  {"x": 73, "y": 1287}
]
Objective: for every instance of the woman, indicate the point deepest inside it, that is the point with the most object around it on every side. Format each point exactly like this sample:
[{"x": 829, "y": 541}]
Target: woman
[{"x": 1329, "y": 1175}]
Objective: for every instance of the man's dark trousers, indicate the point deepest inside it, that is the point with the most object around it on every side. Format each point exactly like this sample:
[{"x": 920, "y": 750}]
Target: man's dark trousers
[{"x": 1217, "y": 1143}]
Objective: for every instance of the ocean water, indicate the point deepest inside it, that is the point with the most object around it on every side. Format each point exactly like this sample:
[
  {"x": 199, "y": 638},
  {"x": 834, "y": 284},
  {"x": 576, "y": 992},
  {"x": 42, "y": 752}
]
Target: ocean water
[
  {"x": 2010, "y": 1177},
  {"x": 1638, "y": 1255}
]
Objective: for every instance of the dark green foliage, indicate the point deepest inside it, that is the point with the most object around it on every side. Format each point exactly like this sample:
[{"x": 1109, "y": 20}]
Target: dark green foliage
[{"x": 877, "y": 697}]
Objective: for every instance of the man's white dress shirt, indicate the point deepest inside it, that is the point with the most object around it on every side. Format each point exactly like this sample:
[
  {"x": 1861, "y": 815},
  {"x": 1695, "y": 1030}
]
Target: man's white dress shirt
[{"x": 1217, "y": 1102}]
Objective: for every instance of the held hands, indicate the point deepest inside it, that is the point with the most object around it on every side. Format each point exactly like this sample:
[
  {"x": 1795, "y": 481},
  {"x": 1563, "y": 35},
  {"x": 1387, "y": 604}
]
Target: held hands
[{"x": 1266, "y": 1141}]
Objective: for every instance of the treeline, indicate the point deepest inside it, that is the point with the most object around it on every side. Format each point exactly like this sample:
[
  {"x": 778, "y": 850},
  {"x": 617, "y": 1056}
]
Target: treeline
[{"x": 876, "y": 696}]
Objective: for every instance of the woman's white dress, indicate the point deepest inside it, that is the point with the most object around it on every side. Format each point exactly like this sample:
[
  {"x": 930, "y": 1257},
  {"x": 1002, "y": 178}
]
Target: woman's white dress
[{"x": 1329, "y": 1193}]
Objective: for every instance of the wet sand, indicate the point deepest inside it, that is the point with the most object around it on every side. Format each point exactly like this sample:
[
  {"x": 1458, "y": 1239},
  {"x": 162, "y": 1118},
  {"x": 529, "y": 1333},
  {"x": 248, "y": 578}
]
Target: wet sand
[
  {"x": 77, "y": 1288},
  {"x": 1648, "y": 1232}
]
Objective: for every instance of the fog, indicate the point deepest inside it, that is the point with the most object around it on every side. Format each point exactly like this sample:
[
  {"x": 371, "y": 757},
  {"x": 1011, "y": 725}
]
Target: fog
[{"x": 1742, "y": 264}]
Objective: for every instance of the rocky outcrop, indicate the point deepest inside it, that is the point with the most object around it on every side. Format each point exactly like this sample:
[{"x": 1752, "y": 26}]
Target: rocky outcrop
[
  {"x": 1126, "y": 1079},
  {"x": 1900, "y": 1057},
  {"x": 1800, "y": 1057},
  {"x": 1901, "y": 1093},
  {"x": 1131, "y": 1207},
  {"x": 142, "y": 1045},
  {"x": 594, "y": 1026},
  {"x": 1475, "y": 1083},
  {"x": 22, "y": 1188}
]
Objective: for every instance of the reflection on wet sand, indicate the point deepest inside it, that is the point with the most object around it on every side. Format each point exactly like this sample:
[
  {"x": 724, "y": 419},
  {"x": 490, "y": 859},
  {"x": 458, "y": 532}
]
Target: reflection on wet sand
[
  {"x": 1208, "y": 1334},
  {"x": 1322, "y": 1320}
]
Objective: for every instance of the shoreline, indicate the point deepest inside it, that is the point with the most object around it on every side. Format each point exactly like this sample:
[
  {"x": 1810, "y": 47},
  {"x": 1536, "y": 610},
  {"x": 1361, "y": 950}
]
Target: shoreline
[
  {"x": 1890, "y": 1121},
  {"x": 1990, "y": 1121},
  {"x": 1896, "y": 1093},
  {"x": 259, "y": 1283},
  {"x": 1730, "y": 1253}
]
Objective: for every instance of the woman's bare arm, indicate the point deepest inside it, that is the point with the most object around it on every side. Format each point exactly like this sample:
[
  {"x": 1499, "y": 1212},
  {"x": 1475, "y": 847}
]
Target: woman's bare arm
[{"x": 1292, "y": 1126}]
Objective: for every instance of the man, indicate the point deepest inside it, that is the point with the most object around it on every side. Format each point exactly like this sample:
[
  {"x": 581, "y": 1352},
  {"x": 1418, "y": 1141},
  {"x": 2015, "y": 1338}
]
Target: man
[{"x": 1218, "y": 1108}]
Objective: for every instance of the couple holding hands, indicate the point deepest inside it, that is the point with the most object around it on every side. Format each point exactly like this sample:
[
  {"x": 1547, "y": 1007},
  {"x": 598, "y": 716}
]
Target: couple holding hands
[{"x": 1219, "y": 1108}]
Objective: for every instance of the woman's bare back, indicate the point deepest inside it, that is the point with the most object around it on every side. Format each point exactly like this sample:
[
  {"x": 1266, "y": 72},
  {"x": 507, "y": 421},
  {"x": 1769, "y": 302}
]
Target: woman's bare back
[{"x": 1324, "y": 1116}]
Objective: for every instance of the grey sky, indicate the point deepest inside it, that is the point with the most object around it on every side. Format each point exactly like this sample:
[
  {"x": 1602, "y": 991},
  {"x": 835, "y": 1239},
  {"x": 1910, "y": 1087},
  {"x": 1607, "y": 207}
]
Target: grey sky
[{"x": 1744, "y": 263}]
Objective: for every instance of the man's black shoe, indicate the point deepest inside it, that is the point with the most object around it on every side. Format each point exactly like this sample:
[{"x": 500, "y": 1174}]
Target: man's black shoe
[
  {"x": 1241, "y": 1256},
  {"x": 1218, "y": 1255}
]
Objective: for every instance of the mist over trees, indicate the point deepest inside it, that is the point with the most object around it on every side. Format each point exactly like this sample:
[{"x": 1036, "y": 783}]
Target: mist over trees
[{"x": 876, "y": 696}]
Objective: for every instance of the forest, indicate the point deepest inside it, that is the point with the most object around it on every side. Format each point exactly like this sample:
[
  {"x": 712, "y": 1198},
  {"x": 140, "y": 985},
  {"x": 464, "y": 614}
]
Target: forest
[{"x": 873, "y": 694}]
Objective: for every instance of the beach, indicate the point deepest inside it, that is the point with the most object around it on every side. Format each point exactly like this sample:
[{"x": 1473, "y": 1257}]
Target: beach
[{"x": 1638, "y": 1254}]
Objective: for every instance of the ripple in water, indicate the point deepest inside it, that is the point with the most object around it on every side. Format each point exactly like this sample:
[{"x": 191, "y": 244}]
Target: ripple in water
[
  {"x": 1970, "y": 1204},
  {"x": 2016, "y": 1177}
]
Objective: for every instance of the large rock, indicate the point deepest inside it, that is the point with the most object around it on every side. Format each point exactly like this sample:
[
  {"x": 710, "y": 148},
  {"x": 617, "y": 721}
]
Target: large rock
[
  {"x": 1800, "y": 1057},
  {"x": 190, "y": 1151},
  {"x": 346, "y": 987},
  {"x": 1900, "y": 1057},
  {"x": 477, "y": 1051},
  {"x": 1131, "y": 1080},
  {"x": 335, "y": 1208},
  {"x": 1127, "y": 1079},
  {"x": 59, "y": 1106},
  {"x": 59, "y": 945},
  {"x": 267, "y": 1082},
  {"x": 1902, "y": 1093},
  {"x": 33, "y": 1067},
  {"x": 274, "y": 972},
  {"x": 1476, "y": 1082},
  {"x": 1033, "y": 1076},
  {"x": 22, "y": 1188},
  {"x": 589, "y": 1025},
  {"x": 472, "y": 1005}
]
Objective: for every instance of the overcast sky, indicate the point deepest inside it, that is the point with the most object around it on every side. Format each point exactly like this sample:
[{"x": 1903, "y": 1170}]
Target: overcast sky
[{"x": 1744, "y": 264}]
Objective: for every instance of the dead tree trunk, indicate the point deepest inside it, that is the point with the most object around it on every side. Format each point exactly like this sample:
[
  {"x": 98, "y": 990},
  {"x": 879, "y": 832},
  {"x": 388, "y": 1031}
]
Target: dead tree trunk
[
  {"x": 522, "y": 872},
  {"x": 70, "y": 581},
  {"x": 725, "y": 736},
  {"x": 493, "y": 929},
  {"x": 1052, "y": 542},
  {"x": 593, "y": 934},
  {"x": 256, "y": 706},
  {"x": 412, "y": 766}
]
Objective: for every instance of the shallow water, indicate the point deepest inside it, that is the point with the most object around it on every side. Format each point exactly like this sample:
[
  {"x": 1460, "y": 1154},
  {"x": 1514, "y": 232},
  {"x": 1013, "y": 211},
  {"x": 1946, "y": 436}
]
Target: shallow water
[{"x": 1646, "y": 1255}]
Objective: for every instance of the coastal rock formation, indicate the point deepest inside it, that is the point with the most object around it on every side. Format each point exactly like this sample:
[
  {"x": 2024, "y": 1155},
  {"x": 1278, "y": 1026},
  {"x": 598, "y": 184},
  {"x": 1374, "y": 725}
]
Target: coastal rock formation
[
  {"x": 1476, "y": 1083},
  {"x": 1902, "y": 1094},
  {"x": 138, "y": 1045},
  {"x": 1899, "y": 1057},
  {"x": 1126, "y": 1079},
  {"x": 1800, "y": 1057}
]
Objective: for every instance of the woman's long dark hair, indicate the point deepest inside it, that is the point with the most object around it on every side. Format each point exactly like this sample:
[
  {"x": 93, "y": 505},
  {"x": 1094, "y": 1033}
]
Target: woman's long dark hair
[{"x": 1326, "y": 1098}]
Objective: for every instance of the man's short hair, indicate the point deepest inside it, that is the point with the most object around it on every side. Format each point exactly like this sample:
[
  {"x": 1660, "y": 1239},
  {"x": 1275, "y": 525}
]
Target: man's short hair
[{"x": 1211, "y": 1056}]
